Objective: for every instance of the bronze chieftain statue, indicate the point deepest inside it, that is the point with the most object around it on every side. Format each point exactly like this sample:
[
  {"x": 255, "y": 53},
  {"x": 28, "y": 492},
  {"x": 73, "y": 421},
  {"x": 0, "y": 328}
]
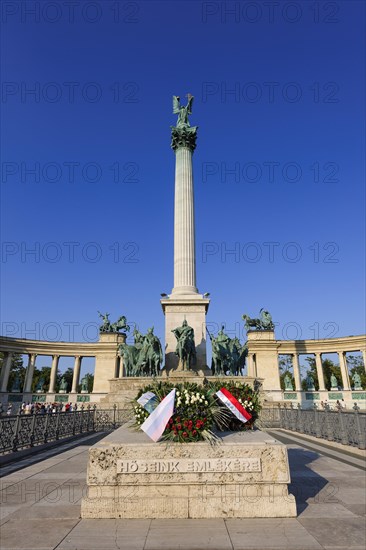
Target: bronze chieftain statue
[
  {"x": 228, "y": 355},
  {"x": 186, "y": 348},
  {"x": 144, "y": 357}
]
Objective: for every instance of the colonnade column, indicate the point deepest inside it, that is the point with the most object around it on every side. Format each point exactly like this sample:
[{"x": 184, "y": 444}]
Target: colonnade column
[
  {"x": 251, "y": 365},
  {"x": 117, "y": 368},
  {"x": 30, "y": 372},
  {"x": 296, "y": 369},
  {"x": 344, "y": 370},
  {"x": 319, "y": 370},
  {"x": 55, "y": 360},
  {"x": 76, "y": 374},
  {"x": 364, "y": 358},
  {"x": 5, "y": 372}
]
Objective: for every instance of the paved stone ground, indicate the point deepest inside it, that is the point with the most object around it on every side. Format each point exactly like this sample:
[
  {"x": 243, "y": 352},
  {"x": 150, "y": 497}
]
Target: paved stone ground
[{"x": 41, "y": 497}]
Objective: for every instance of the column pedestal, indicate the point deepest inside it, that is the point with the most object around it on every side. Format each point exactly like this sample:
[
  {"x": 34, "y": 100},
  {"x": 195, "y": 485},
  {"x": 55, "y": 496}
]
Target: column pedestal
[
  {"x": 262, "y": 345},
  {"x": 193, "y": 308},
  {"x": 105, "y": 360}
]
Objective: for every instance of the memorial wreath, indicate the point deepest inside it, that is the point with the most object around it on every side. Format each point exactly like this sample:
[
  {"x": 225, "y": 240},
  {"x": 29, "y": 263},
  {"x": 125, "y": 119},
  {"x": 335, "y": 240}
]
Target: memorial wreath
[{"x": 194, "y": 412}]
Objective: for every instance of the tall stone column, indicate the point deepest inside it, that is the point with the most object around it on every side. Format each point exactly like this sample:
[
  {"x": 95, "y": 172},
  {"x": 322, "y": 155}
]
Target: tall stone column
[
  {"x": 76, "y": 374},
  {"x": 5, "y": 372},
  {"x": 344, "y": 370},
  {"x": 30, "y": 372},
  {"x": 319, "y": 370},
  {"x": 184, "y": 233},
  {"x": 53, "y": 375},
  {"x": 296, "y": 368},
  {"x": 185, "y": 302}
]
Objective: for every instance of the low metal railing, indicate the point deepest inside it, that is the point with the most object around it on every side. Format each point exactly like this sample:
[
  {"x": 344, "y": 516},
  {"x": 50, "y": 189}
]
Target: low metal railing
[
  {"x": 21, "y": 431},
  {"x": 346, "y": 427}
]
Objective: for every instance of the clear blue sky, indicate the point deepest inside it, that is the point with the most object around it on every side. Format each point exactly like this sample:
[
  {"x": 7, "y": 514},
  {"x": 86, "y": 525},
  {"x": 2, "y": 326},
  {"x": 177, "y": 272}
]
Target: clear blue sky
[{"x": 278, "y": 98}]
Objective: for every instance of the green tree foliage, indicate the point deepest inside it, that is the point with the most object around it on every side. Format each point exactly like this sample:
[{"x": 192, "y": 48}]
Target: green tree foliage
[
  {"x": 356, "y": 365},
  {"x": 90, "y": 380},
  {"x": 42, "y": 376},
  {"x": 286, "y": 368},
  {"x": 17, "y": 369},
  {"x": 68, "y": 374}
]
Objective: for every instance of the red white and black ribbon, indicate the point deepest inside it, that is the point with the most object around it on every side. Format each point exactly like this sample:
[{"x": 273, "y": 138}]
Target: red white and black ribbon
[{"x": 233, "y": 405}]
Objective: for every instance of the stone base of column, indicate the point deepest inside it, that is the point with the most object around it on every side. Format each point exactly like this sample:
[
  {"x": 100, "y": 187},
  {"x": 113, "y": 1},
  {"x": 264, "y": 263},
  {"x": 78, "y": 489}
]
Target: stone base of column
[
  {"x": 262, "y": 348},
  {"x": 193, "y": 308},
  {"x": 105, "y": 360}
]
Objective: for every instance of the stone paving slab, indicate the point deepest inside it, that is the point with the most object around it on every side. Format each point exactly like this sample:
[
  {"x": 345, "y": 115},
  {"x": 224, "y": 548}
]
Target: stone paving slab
[
  {"x": 107, "y": 534},
  {"x": 272, "y": 533},
  {"x": 63, "y": 511},
  {"x": 347, "y": 532},
  {"x": 35, "y": 534},
  {"x": 188, "y": 534}
]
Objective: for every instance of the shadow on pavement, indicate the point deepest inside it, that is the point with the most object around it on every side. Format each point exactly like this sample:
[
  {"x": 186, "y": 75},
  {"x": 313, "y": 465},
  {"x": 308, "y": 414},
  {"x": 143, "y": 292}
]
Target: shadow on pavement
[{"x": 305, "y": 483}]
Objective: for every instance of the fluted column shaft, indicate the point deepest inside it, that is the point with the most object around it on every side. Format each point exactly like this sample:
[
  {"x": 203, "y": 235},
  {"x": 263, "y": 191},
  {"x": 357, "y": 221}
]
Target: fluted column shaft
[
  {"x": 344, "y": 370},
  {"x": 296, "y": 369},
  {"x": 76, "y": 374},
  {"x": 5, "y": 372},
  {"x": 251, "y": 365},
  {"x": 319, "y": 370},
  {"x": 52, "y": 387},
  {"x": 30, "y": 372},
  {"x": 184, "y": 232}
]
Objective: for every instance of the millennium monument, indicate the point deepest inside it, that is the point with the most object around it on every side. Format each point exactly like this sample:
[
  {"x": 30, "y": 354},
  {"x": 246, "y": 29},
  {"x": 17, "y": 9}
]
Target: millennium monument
[{"x": 185, "y": 306}]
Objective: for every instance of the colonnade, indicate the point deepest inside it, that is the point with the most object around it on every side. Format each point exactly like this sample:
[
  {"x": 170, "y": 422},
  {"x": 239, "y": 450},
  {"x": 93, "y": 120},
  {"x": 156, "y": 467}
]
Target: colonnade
[
  {"x": 32, "y": 357},
  {"x": 264, "y": 352},
  {"x": 346, "y": 384}
]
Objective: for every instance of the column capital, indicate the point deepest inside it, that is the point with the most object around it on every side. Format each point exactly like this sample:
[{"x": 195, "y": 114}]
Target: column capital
[{"x": 185, "y": 136}]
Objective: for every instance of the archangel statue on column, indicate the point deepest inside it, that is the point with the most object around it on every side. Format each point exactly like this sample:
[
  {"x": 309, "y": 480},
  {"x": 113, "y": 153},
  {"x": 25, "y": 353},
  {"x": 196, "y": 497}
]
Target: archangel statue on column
[
  {"x": 183, "y": 134},
  {"x": 182, "y": 111}
]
